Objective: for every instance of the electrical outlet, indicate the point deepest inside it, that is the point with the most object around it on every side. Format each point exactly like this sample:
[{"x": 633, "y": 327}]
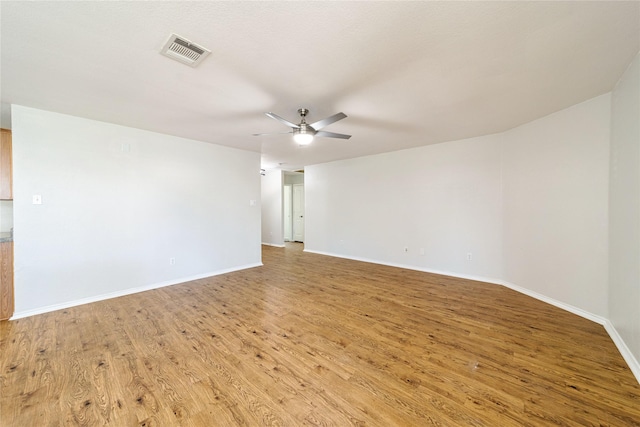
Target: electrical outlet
[
  {"x": 406, "y": 249},
  {"x": 469, "y": 256},
  {"x": 172, "y": 261}
]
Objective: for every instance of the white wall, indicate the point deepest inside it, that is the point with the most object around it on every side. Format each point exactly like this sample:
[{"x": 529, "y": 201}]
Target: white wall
[
  {"x": 555, "y": 174},
  {"x": 624, "y": 223},
  {"x": 111, "y": 219},
  {"x": 272, "y": 208},
  {"x": 530, "y": 205},
  {"x": 444, "y": 199}
]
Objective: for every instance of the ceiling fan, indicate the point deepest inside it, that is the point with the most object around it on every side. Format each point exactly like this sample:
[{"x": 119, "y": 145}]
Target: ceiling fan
[{"x": 304, "y": 132}]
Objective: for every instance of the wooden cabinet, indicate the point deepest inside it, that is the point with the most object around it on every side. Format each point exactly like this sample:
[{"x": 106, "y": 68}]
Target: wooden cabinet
[
  {"x": 6, "y": 280},
  {"x": 6, "y": 247},
  {"x": 6, "y": 173}
]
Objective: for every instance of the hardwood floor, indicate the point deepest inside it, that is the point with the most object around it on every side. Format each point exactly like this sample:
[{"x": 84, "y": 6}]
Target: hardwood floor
[{"x": 315, "y": 340}]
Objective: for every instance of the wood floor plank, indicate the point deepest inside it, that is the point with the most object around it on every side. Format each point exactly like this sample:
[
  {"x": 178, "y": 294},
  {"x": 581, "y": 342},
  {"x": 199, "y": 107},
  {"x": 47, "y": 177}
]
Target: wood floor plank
[{"x": 310, "y": 340}]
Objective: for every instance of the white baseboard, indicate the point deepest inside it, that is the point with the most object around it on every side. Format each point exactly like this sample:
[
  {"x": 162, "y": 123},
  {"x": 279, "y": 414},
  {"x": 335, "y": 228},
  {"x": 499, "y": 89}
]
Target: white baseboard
[
  {"x": 96, "y": 298},
  {"x": 633, "y": 363},
  {"x": 624, "y": 350},
  {"x": 273, "y": 244},
  {"x": 567, "y": 307},
  {"x": 409, "y": 267},
  {"x": 628, "y": 357}
]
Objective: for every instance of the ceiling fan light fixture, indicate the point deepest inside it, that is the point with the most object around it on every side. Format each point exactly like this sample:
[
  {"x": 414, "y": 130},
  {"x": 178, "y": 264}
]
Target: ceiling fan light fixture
[{"x": 302, "y": 137}]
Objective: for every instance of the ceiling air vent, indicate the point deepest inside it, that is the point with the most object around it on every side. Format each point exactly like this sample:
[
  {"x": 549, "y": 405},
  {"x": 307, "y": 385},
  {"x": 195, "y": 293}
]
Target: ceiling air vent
[{"x": 183, "y": 50}]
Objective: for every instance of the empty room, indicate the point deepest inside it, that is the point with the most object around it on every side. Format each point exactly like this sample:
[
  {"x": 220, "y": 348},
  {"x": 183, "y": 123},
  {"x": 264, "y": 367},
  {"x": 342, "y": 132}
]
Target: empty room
[{"x": 319, "y": 213}]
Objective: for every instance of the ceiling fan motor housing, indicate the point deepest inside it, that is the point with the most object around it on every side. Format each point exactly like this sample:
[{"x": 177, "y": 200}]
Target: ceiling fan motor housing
[{"x": 305, "y": 128}]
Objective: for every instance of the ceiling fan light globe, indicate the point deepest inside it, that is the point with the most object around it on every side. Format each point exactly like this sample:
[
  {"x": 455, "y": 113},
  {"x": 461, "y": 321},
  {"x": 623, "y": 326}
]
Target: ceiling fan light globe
[{"x": 303, "y": 138}]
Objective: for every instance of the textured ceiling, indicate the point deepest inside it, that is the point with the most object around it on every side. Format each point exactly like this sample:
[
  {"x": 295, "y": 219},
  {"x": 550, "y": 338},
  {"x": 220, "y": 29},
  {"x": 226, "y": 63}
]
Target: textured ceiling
[{"x": 406, "y": 73}]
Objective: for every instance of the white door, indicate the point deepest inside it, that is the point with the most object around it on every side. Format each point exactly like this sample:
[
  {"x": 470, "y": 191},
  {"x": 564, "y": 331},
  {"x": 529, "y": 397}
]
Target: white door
[
  {"x": 298, "y": 212},
  {"x": 288, "y": 220}
]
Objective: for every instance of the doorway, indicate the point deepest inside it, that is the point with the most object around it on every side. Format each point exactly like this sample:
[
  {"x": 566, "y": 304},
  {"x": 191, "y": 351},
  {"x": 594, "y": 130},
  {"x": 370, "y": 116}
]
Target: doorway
[
  {"x": 297, "y": 202},
  {"x": 293, "y": 217},
  {"x": 288, "y": 212}
]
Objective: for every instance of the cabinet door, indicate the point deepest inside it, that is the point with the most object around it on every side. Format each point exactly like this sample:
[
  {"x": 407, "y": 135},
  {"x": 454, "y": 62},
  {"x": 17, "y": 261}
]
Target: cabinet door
[
  {"x": 6, "y": 280},
  {"x": 6, "y": 181}
]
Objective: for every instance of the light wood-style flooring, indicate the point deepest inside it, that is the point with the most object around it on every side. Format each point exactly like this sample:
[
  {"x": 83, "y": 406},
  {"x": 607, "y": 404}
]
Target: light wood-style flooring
[{"x": 314, "y": 340}]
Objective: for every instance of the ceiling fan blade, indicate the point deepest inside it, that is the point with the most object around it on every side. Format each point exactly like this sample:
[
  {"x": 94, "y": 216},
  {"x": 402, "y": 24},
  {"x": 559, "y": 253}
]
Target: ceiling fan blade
[
  {"x": 270, "y": 133},
  {"x": 281, "y": 120},
  {"x": 325, "y": 122},
  {"x": 332, "y": 135}
]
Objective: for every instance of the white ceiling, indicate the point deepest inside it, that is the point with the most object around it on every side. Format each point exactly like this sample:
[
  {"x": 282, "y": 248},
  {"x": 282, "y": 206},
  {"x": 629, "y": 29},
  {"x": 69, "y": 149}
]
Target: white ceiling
[{"x": 406, "y": 73}]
